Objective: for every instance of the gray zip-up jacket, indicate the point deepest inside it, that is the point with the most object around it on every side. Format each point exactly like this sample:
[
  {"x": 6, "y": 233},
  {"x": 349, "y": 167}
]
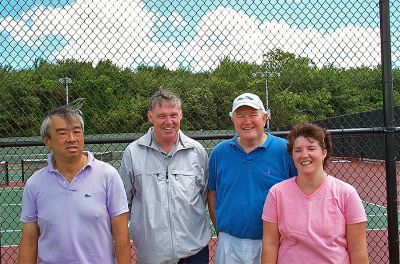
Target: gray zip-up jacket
[{"x": 167, "y": 199}]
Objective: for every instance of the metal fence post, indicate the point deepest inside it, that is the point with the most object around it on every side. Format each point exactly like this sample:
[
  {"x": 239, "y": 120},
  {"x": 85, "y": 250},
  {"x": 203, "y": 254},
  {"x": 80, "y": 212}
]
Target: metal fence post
[{"x": 390, "y": 151}]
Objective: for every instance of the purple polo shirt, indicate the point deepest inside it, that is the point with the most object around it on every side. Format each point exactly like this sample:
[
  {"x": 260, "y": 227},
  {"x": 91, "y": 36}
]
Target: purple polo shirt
[{"x": 74, "y": 218}]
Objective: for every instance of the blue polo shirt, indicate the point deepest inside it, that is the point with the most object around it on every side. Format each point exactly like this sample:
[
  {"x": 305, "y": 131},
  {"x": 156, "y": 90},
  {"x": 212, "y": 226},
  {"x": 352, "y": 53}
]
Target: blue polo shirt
[{"x": 242, "y": 180}]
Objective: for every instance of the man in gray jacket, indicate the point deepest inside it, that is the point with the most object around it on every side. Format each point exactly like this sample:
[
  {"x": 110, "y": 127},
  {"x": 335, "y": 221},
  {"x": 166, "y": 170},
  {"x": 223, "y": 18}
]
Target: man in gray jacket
[{"x": 165, "y": 176}]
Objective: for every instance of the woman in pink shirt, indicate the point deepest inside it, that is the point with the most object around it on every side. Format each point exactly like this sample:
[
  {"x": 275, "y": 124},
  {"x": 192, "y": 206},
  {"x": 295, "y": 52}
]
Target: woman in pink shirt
[{"x": 313, "y": 217}]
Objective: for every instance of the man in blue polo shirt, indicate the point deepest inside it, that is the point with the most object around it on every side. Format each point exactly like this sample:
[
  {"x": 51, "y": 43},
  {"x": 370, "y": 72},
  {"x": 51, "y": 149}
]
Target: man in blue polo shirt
[{"x": 241, "y": 172}]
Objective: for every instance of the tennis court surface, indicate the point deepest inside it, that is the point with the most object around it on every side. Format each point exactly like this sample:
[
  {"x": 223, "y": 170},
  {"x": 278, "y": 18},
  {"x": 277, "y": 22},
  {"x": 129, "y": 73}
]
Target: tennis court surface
[{"x": 367, "y": 176}]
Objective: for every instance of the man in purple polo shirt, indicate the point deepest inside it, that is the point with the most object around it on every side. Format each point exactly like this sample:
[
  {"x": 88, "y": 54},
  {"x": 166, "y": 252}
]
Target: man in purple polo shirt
[{"x": 75, "y": 209}]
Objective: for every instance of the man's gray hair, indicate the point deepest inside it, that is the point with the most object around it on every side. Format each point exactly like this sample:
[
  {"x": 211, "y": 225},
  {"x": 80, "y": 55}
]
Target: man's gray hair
[
  {"x": 163, "y": 96},
  {"x": 68, "y": 112}
]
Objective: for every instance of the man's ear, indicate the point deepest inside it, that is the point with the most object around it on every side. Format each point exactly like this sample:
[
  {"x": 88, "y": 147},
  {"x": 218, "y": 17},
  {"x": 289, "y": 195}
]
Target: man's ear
[
  {"x": 46, "y": 141},
  {"x": 150, "y": 116},
  {"x": 265, "y": 118}
]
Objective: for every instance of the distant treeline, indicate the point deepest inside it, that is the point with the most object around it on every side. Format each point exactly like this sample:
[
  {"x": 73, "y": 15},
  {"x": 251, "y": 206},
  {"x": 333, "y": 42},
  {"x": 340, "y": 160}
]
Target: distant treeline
[{"x": 116, "y": 100}]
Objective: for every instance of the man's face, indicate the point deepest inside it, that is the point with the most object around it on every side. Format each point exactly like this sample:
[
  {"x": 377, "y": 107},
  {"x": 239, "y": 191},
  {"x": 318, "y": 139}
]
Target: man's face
[
  {"x": 249, "y": 123},
  {"x": 166, "y": 120},
  {"x": 66, "y": 139}
]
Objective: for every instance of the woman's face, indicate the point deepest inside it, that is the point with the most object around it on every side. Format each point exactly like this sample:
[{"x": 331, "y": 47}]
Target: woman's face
[{"x": 308, "y": 156}]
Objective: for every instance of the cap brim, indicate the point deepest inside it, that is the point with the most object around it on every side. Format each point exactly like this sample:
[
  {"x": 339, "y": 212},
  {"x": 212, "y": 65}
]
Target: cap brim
[{"x": 247, "y": 104}]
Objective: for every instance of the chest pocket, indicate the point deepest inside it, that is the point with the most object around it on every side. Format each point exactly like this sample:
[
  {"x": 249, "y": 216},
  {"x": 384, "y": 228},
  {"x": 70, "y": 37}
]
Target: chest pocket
[
  {"x": 148, "y": 181},
  {"x": 190, "y": 181}
]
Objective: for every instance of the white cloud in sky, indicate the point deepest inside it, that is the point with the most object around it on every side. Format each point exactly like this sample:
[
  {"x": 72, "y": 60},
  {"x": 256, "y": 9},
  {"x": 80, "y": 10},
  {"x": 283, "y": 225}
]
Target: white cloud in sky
[
  {"x": 177, "y": 20},
  {"x": 121, "y": 31},
  {"x": 95, "y": 30},
  {"x": 227, "y": 32}
]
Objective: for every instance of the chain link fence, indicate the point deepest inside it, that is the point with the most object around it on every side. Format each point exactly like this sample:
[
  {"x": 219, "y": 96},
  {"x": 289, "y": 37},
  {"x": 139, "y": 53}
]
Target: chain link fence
[{"x": 311, "y": 60}]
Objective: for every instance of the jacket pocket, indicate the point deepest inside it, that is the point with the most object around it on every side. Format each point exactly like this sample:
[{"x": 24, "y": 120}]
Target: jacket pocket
[{"x": 189, "y": 183}]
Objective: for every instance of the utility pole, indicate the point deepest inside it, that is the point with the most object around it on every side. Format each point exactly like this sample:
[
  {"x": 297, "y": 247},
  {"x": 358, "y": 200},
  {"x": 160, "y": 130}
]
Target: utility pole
[
  {"x": 65, "y": 81},
  {"x": 268, "y": 71}
]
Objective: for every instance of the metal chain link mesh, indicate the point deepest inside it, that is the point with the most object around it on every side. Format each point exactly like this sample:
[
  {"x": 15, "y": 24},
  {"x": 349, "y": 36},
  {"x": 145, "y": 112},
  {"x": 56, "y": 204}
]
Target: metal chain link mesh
[{"x": 311, "y": 60}]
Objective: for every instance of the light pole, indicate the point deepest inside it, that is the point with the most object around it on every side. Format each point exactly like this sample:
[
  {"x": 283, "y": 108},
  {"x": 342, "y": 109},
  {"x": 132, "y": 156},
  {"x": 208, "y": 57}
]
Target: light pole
[
  {"x": 65, "y": 81},
  {"x": 266, "y": 73}
]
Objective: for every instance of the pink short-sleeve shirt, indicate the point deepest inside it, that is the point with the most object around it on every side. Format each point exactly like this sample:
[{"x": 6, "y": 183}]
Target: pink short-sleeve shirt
[{"x": 313, "y": 227}]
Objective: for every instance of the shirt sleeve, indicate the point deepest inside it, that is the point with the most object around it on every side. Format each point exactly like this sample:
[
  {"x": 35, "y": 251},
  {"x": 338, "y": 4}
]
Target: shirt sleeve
[
  {"x": 270, "y": 212},
  {"x": 205, "y": 171},
  {"x": 29, "y": 212},
  {"x": 126, "y": 173},
  {"x": 354, "y": 212},
  {"x": 116, "y": 202}
]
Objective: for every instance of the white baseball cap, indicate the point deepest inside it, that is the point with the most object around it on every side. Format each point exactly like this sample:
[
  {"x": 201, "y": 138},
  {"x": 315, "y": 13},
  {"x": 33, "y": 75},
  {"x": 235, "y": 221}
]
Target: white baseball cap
[{"x": 248, "y": 99}]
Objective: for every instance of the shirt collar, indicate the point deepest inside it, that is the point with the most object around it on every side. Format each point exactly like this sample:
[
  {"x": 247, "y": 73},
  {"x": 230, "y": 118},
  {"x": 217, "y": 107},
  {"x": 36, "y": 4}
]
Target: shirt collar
[
  {"x": 235, "y": 142},
  {"x": 50, "y": 162}
]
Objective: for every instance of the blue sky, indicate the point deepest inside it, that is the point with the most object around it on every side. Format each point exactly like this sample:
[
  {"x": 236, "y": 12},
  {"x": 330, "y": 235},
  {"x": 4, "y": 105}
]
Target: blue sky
[{"x": 194, "y": 34}]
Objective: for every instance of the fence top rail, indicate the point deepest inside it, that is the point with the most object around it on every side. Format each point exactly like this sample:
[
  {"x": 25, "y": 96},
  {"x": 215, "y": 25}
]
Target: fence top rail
[{"x": 342, "y": 131}]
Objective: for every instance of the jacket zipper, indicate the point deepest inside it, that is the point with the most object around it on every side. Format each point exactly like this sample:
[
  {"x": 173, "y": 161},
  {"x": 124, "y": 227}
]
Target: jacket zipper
[{"x": 170, "y": 215}]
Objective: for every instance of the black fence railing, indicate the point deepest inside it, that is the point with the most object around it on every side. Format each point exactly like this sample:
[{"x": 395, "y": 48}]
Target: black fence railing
[
  {"x": 367, "y": 174},
  {"x": 322, "y": 61}
]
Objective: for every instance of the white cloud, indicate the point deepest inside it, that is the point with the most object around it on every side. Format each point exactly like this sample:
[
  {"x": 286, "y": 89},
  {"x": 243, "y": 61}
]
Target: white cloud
[
  {"x": 227, "y": 32},
  {"x": 121, "y": 30},
  {"x": 95, "y": 30},
  {"x": 177, "y": 20}
]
